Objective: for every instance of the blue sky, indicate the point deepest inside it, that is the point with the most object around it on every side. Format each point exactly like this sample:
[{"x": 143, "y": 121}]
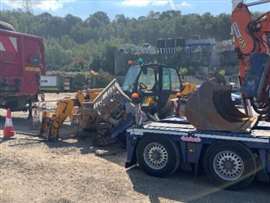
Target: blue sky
[{"x": 130, "y": 8}]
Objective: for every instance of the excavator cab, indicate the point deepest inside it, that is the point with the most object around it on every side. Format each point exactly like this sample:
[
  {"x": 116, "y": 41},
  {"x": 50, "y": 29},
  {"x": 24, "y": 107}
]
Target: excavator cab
[{"x": 156, "y": 84}]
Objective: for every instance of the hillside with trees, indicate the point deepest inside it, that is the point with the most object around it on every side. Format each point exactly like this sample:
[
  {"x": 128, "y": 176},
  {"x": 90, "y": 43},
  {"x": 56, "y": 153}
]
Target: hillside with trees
[{"x": 74, "y": 44}]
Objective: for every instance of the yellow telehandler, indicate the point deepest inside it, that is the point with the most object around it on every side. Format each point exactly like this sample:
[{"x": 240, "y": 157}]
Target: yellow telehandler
[{"x": 110, "y": 111}]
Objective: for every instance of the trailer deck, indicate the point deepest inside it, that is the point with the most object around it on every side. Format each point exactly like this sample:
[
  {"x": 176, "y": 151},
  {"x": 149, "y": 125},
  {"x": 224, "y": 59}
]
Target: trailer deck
[
  {"x": 191, "y": 145},
  {"x": 259, "y": 134}
]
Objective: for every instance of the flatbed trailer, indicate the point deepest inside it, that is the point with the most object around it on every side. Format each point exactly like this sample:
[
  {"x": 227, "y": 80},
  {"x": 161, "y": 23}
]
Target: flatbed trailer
[{"x": 230, "y": 160}]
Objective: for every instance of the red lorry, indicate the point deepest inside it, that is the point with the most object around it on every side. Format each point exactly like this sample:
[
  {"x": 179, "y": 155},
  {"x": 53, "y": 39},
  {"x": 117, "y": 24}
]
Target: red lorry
[{"x": 22, "y": 62}]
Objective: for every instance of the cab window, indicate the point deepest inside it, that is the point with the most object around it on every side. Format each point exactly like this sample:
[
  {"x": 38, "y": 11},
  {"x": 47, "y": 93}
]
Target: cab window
[
  {"x": 130, "y": 78},
  {"x": 147, "y": 79},
  {"x": 166, "y": 79},
  {"x": 170, "y": 80},
  {"x": 176, "y": 86}
]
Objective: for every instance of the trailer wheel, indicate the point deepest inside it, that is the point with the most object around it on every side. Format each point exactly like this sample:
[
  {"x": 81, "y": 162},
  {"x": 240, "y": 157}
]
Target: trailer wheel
[
  {"x": 158, "y": 156},
  {"x": 230, "y": 166}
]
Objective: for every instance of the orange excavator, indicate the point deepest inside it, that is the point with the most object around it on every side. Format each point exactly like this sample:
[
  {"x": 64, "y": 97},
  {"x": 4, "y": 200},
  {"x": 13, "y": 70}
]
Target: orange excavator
[{"x": 211, "y": 107}]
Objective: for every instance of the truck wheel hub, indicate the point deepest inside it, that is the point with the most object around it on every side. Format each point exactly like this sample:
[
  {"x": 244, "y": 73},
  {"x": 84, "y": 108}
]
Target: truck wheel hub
[
  {"x": 228, "y": 165},
  {"x": 155, "y": 156}
]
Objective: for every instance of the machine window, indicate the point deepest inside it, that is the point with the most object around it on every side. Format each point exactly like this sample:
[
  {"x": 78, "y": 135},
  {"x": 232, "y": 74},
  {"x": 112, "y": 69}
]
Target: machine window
[
  {"x": 166, "y": 79},
  {"x": 147, "y": 79},
  {"x": 175, "y": 80},
  {"x": 170, "y": 80},
  {"x": 130, "y": 78}
]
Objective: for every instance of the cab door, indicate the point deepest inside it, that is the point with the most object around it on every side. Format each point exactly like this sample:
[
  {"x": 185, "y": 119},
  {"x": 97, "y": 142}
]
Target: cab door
[
  {"x": 171, "y": 84},
  {"x": 148, "y": 86}
]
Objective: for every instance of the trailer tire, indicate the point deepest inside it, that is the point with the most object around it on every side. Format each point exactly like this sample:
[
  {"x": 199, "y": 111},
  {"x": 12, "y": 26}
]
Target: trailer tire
[
  {"x": 230, "y": 166},
  {"x": 158, "y": 156}
]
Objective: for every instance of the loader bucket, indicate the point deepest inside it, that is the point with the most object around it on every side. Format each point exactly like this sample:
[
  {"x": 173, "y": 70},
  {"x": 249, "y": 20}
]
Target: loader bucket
[{"x": 211, "y": 108}]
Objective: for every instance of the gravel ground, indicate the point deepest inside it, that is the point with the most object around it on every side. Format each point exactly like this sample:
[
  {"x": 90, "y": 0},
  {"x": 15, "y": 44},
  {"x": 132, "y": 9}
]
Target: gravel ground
[{"x": 33, "y": 170}]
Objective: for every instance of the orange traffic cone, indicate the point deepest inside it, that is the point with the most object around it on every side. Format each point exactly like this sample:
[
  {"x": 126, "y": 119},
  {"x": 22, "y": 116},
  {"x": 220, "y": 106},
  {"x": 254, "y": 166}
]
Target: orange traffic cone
[{"x": 9, "y": 130}]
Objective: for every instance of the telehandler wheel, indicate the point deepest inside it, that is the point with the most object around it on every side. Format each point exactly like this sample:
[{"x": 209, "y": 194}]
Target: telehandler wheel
[
  {"x": 230, "y": 166},
  {"x": 158, "y": 156}
]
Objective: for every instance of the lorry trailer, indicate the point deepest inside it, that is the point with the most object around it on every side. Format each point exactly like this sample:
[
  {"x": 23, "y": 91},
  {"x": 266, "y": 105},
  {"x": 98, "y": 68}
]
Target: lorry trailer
[
  {"x": 230, "y": 160},
  {"x": 22, "y": 62}
]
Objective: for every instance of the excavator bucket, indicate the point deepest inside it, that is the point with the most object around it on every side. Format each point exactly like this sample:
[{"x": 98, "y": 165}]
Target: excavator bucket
[{"x": 211, "y": 108}]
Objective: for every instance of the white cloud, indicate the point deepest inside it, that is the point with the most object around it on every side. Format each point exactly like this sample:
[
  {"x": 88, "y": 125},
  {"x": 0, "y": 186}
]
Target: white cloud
[
  {"x": 46, "y": 5},
  {"x": 184, "y": 4},
  {"x": 143, "y": 3},
  {"x": 160, "y": 2},
  {"x": 181, "y": 5}
]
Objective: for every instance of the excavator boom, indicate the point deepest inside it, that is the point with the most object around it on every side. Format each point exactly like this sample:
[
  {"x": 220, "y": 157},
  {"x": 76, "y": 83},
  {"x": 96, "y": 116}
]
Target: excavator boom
[
  {"x": 255, "y": 3},
  {"x": 211, "y": 107}
]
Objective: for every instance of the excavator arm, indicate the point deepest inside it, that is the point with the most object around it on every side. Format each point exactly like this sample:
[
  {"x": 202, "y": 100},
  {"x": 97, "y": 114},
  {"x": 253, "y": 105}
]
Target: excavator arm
[
  {"x": 210, "y": 107},
  {"x": 252, "y": 42}
]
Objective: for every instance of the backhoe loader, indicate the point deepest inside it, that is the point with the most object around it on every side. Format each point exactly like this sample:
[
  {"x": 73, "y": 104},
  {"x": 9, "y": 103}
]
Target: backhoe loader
[{"x": 210, "y": 107}]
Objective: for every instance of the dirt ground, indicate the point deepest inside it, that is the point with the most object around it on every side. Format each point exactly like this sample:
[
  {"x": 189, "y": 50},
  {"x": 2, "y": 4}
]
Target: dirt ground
[{"x": 33, "y": 170}]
